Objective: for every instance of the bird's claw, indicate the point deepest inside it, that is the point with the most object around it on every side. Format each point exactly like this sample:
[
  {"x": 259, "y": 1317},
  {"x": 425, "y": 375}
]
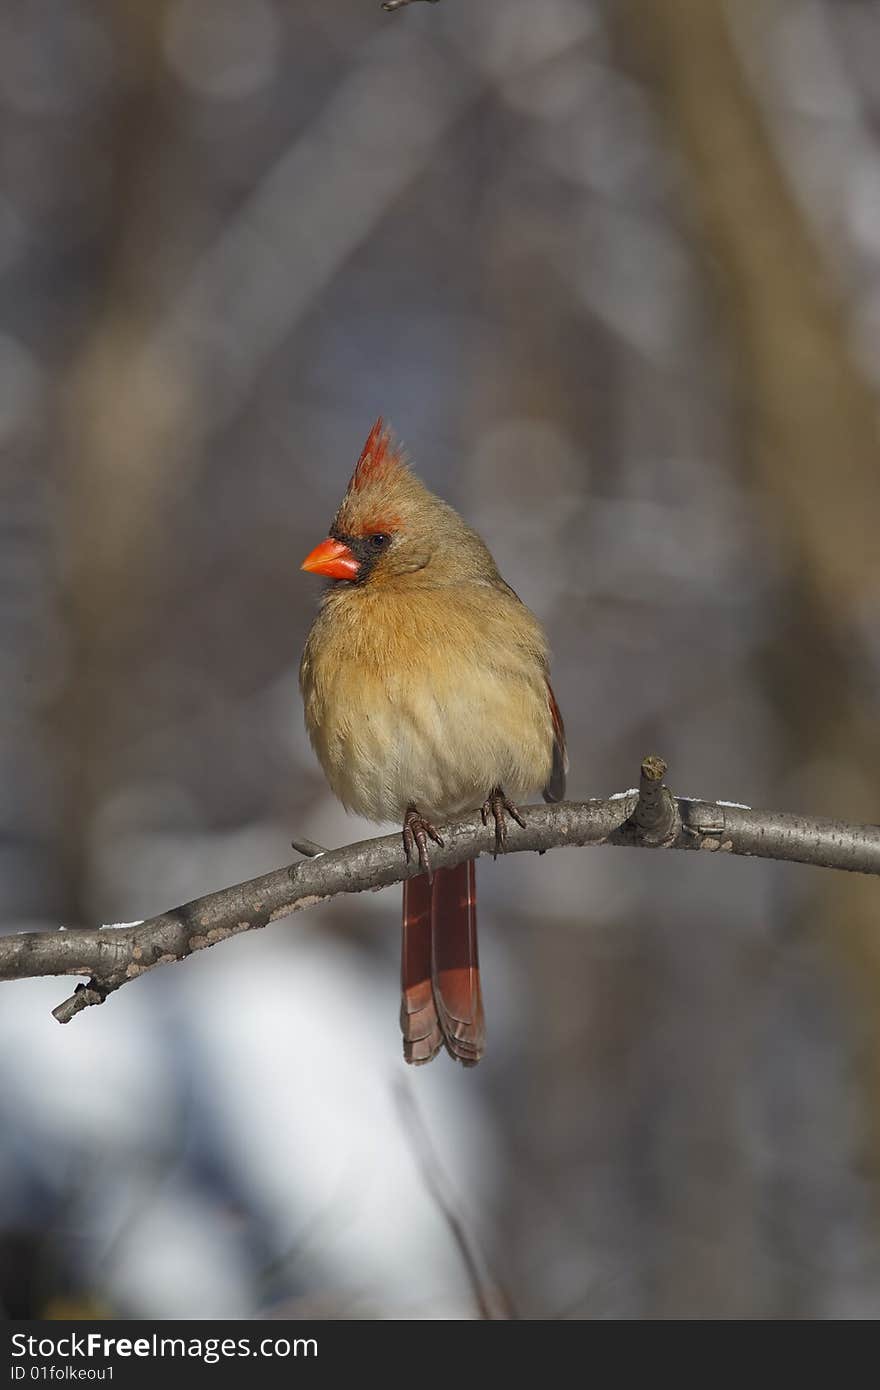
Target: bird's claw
[
  {"x": 416, "y": 830},
  {"x": 497, "y": 805}
]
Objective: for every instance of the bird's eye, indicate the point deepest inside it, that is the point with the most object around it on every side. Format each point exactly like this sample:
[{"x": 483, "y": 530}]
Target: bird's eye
[{"x": 379, "y": 540}]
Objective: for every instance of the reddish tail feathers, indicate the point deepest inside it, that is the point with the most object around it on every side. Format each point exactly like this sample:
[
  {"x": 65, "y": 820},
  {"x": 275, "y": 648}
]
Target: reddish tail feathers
[
  {"x": 422, "y": 1038},
  {"x": 441, "y": 1001}
]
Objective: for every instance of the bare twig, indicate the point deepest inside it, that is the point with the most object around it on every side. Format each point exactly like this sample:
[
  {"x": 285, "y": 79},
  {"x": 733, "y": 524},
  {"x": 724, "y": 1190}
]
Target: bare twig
[
  {"x": 111, "y": 956},
  {"x": 392, "y": 5},
  {"x": 308, "y": 848},
  {"x": 438, "y": 1187}
]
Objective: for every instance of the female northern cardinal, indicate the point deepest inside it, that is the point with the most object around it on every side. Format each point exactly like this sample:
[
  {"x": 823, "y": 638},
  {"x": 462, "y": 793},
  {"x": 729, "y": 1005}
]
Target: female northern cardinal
[{"x": 424, "y": 680}]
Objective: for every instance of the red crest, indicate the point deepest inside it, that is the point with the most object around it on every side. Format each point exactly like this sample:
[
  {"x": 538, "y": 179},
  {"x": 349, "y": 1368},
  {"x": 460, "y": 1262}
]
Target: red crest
[{"x": 379, "y": 457}]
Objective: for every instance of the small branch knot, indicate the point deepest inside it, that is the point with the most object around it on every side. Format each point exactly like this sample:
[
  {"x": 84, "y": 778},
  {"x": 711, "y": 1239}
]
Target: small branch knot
[{"x": 655, "y": 818}]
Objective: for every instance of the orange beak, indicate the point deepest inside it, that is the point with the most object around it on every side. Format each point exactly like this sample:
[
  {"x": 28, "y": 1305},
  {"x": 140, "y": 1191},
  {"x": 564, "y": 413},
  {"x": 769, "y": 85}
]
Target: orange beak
[{"x": 333, "y": 559}]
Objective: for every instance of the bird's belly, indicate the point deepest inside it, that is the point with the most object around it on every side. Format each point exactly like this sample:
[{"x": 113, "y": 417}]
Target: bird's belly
[{"x": 402, "y": 742}]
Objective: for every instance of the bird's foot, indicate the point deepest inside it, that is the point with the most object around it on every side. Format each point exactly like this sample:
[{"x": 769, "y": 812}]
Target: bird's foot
[
  {"x": 497, "y": 806},
  {"x": 416, "y": 830}
]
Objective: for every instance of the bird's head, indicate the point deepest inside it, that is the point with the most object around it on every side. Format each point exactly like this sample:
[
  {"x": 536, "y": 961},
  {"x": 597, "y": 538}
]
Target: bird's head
[{"x": 390, "y": 526}]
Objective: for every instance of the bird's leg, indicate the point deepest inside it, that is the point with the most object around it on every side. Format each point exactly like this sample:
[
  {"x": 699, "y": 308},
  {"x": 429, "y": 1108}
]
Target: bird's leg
[
  {"x": 416, "y": 830},
  {"x": 496, "y": 805}
]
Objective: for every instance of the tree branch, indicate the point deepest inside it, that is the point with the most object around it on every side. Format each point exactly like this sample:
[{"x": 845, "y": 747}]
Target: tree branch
[
  {"x": 649, "y": 817},
  {"x": 391, "y": 5}
]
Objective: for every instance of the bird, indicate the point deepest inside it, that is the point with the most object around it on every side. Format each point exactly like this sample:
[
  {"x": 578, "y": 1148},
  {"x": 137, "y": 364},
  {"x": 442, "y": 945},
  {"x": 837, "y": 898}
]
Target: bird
[{"x": 426, "y": 693}]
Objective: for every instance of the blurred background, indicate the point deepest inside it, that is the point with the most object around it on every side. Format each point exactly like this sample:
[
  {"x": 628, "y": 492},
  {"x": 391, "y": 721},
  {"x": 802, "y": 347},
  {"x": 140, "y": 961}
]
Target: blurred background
[{"x": 612, "y": 272}]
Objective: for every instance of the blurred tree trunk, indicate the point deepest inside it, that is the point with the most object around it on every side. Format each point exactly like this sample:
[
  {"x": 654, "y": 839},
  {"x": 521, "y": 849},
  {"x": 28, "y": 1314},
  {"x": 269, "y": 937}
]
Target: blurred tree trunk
[
  {"x": 118, "y": 420},
  {"x": 644, "y": 1186},
  {"x": 814, "y": 452}
]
